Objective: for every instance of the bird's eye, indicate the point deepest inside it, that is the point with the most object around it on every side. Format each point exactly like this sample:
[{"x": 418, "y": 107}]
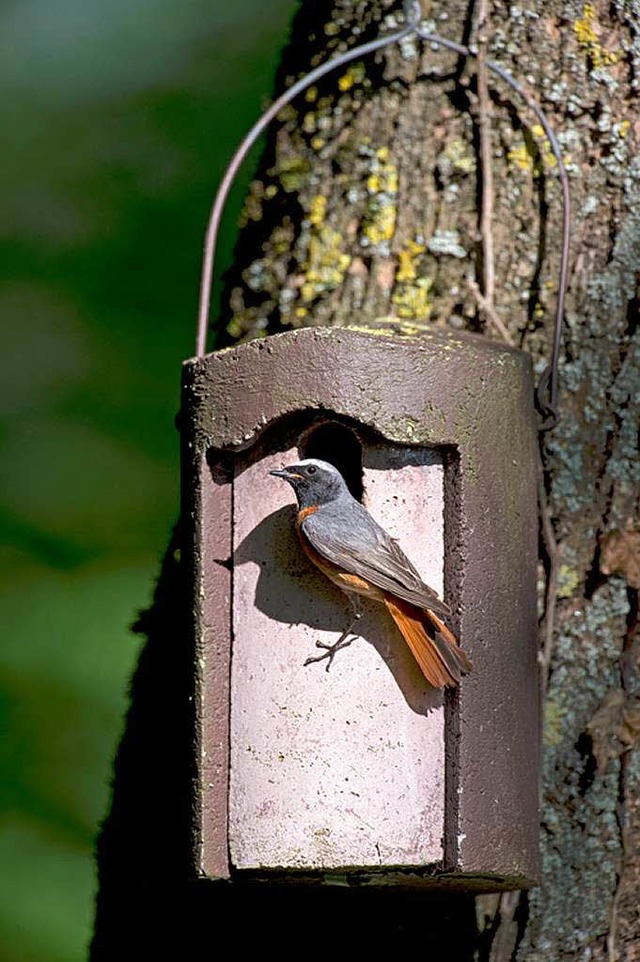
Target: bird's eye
[{"x": 311, "y": 469}]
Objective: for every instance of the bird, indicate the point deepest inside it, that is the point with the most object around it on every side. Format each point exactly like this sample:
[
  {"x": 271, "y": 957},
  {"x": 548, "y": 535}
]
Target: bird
[{"x": 348, "y": 546}]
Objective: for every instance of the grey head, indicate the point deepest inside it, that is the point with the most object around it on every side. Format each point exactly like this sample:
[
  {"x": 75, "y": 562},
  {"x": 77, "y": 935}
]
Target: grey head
[{"x": 314, "y": 482}]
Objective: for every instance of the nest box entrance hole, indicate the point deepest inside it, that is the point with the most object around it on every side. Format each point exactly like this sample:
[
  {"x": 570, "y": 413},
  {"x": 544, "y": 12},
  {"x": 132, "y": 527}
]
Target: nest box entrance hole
[{"x": 336, "y": 443}]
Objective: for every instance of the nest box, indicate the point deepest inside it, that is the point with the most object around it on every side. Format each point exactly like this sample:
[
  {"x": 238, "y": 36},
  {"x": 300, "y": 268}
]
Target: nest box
[{"x": 364, "y": 773}]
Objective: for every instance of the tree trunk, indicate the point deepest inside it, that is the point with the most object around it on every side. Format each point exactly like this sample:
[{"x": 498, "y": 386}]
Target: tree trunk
[{"x": 366, "y": 211}]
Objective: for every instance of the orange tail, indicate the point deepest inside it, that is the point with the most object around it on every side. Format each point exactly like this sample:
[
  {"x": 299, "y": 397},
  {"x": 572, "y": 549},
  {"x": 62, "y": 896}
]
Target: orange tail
[{"x": 434, "y": 647}]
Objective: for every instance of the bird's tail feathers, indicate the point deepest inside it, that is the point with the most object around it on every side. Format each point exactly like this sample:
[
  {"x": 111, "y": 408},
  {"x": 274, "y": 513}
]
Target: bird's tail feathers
[{"x": 432, "y": 644}]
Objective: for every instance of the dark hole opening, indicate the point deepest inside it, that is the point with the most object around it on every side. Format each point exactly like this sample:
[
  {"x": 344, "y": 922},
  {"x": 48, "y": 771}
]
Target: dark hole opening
[{"x": 339, "y": 446}]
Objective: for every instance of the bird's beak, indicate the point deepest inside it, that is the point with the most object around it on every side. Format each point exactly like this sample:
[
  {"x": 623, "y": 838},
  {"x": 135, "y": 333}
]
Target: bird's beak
[{"x": 285, "y": 473}]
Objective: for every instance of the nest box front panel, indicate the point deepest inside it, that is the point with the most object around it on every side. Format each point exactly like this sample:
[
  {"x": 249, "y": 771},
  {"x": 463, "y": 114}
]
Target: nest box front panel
[
  {"x": 343, "y": 768},
  {"x": 299, "y": 773}
]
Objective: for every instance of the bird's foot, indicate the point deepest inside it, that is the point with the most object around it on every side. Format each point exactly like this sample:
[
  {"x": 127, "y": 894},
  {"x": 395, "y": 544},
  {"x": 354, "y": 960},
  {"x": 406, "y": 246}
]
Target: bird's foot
[{"x": 330, "y": 651}]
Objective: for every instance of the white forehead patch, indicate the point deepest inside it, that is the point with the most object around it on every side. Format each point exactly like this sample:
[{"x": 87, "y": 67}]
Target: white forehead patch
[{"x": 319, "y": 464}]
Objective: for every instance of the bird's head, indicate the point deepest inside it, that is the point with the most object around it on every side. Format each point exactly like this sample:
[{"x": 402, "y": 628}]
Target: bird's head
[{"x": 314, "y": 482}]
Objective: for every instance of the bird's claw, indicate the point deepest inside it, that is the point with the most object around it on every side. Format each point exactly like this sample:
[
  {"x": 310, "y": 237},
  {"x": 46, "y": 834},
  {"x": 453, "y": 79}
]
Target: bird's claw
[{"x": 329, "y": 652}]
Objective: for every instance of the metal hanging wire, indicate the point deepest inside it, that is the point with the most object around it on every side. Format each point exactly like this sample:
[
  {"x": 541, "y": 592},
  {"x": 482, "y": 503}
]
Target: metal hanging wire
[{"x": 547, "y": 388}]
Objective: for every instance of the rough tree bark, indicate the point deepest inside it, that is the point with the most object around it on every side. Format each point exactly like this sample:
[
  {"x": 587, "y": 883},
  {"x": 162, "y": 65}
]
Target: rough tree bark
[{"x": 367, "y": 210}]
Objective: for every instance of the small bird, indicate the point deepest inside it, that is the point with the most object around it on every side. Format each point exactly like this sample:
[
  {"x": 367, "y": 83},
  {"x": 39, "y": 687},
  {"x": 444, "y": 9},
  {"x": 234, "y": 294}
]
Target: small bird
[{"x": 349, "y": 547}]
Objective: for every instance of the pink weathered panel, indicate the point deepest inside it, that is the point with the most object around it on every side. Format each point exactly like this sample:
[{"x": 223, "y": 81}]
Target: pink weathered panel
[{"x": 342, "y": 768}]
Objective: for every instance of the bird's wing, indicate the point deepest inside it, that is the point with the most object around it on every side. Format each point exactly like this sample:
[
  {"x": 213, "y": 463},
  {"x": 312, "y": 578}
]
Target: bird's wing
[{"x": 347, "y": 536}]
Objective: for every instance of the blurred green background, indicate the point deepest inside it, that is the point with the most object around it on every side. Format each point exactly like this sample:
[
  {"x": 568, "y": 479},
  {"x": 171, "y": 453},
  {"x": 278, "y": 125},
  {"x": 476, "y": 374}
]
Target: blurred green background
[{"x": 118, "y": 119}]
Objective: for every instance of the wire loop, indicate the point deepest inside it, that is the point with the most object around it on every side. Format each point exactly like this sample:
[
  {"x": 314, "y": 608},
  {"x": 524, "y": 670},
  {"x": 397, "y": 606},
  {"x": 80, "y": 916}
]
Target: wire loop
[{"x": 547, "y": 388}]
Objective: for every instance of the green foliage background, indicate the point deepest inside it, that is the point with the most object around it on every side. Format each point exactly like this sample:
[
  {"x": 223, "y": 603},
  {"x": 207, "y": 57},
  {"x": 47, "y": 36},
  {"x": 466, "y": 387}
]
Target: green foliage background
[{"x": 118, "y": 119}]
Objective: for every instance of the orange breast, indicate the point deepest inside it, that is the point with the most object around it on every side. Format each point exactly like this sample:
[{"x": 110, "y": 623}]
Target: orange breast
[{"x": 304, "y": 513}]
